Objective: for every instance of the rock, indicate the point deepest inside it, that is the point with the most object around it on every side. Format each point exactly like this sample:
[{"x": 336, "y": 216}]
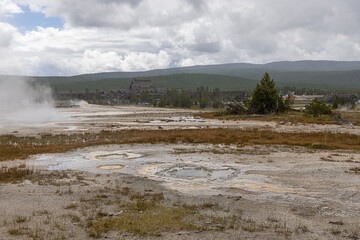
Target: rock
[
  {"x": 26, "y": 183},
  {"x": 336, "y": 223},
  {"x": 115, "y": 214},
  {"x": 238, "y": 198}
]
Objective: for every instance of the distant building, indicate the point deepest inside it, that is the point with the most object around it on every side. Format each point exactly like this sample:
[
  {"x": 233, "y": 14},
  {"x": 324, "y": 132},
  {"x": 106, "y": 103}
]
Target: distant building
[
  {"x": 115, "y": 95},
  {"x": 138, "y": 86},
  {"x": 125, "y": 96},
  {"x": 291, "y": 97}
]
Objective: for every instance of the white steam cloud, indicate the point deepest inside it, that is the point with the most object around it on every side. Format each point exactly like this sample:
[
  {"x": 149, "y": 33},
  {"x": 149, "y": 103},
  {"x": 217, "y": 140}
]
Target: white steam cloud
[{"x": 25, "y": 102}]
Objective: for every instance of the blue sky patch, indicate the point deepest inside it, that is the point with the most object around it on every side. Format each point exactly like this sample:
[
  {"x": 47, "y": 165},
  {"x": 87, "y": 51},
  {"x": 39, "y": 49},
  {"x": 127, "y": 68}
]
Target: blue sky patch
[{"x": 28, "y": 21}]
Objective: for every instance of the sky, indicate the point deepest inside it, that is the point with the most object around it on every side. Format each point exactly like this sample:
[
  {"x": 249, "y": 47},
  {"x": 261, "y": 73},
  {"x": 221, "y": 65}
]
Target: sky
[{"x": 67, "y": 37}]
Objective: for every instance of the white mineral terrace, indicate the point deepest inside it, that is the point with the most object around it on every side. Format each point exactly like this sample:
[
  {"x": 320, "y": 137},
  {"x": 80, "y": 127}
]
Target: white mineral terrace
[{"x": 264, "y": 173}]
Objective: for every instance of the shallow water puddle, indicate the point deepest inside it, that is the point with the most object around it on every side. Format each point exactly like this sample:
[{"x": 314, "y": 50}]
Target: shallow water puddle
[
  {"x": 91, "y": 162},
  {"x": 111, "y": 167},
  {"x": 265, "y": 187},
  {"x": 115, "y": 156},
  {"x": 190, "y": 171}
]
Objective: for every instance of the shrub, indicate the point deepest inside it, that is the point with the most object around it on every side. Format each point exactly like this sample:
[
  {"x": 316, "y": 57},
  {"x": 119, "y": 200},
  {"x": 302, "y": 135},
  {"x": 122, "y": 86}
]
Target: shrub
[
  {"x": 335, "y": 104},
  {"x": 235, "y": 109},
  {"x": 316, "y": 108}
]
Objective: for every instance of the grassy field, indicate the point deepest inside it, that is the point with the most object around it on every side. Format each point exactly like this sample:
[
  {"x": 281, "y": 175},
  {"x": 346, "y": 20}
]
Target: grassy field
[{"x": 12, "y": 147}]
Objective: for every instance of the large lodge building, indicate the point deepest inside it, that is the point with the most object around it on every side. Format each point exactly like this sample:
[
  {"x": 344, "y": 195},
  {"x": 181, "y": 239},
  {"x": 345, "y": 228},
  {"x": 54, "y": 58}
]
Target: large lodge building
[{"x": 136, "y": 87}]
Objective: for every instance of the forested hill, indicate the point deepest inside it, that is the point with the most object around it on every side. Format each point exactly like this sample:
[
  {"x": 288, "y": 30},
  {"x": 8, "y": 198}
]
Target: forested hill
[
  {"x": 306, "y": 74},
  {"x": 245, "y": 70},
  {"x": 183, "y": 81}
]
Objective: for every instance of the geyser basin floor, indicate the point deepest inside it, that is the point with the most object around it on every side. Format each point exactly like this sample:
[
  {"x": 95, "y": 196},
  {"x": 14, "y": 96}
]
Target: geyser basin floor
[
  {"x": 95, "y": 118},
  {"x": 294, "y": 176}
]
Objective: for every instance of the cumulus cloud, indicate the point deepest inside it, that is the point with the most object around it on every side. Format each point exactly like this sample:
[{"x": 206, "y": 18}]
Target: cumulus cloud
[
  {"x": 7, "y": 31},
  {"x": 131, "y": 35},
  {"x": 8, "y": 7},
  {"x": 124, "y": 14},
  {"x": 111, "y": 61},
  {"x": 6, "y": 34}
]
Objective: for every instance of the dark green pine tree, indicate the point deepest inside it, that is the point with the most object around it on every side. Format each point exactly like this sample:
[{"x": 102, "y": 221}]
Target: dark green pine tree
[{"x": 265, "y": 98}]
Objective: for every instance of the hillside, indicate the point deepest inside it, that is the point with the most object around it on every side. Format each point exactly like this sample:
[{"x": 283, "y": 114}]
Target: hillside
[
  {"x": 232, "y": 69},
  {"x": 184, "y": 81},
  {"x": 245, "y": 70},
  {"x": 233, "y": 76}
]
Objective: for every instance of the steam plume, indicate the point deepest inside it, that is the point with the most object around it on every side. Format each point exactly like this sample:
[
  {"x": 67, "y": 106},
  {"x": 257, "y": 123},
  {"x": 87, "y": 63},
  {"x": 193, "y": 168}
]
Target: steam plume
[{"x": 24, "y": 101}]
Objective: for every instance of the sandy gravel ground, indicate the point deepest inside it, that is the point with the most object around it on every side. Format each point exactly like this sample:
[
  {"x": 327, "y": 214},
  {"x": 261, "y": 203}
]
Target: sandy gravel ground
[
  {"x": 292, "y": 186},
  {"x": 271, "y": 192}
]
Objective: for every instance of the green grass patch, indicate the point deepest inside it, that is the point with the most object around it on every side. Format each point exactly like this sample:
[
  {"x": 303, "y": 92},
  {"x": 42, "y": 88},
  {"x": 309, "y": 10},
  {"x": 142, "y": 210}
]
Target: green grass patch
[{"x": 144, "y": 218}]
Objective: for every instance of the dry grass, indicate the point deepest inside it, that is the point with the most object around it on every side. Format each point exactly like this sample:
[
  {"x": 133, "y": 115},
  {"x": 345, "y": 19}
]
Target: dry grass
[
  {"x": 12, "y": 147},
  {"x": 15, "y": 174},
  {"x": 355, "y": 170},
  {"x": 289, "y": 117},
  {"x": 353, "y": 116},
  {"x": 15, "y": 232},
  {"x": 71, "y": 206}
]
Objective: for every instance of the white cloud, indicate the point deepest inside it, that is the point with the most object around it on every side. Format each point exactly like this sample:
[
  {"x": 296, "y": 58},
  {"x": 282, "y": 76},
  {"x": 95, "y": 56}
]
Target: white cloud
[
  {"x": 128, "y": 35},
  {"x": 8, "y": 7},
  {"x": 6, "y": 34},
  {"x": 111, "y": 61}
]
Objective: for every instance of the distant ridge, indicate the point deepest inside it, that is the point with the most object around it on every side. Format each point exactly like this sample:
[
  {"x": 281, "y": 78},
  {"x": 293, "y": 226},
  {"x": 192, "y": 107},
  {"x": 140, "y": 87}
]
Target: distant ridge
[
  {"x": 313, "y": 66},
  {"x": 236, "y": 69},
  {"x": 303, "y": 74},
  {"x": 232, "y": 69}
]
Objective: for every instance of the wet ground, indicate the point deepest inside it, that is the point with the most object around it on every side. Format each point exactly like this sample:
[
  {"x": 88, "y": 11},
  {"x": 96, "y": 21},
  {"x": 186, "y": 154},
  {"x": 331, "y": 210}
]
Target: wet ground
[
  {"x": 95, "y": 118},
  {"x": 315, "y": 181}
]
